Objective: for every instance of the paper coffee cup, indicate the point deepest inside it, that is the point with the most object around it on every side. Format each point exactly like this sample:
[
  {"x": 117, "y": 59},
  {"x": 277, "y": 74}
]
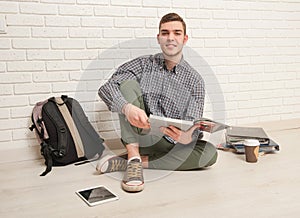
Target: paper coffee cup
[{"x": 251, "y": 150}]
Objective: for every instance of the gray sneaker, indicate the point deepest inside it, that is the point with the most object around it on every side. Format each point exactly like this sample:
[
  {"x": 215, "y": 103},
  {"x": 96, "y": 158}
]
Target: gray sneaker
[
  {"x": 111, "y": 163},
  {"x": 133, "y": 180}
]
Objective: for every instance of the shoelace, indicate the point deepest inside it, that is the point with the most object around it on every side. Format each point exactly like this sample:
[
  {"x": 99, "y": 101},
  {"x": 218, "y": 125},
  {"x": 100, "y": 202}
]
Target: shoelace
[
  {"x": 134, "y": 171},
  {"x": 118, "y": 164}
]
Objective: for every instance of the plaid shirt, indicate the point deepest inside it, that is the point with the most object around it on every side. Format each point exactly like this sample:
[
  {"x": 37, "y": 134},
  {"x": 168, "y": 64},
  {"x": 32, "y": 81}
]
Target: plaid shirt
[{"x": 178, "y": 93}]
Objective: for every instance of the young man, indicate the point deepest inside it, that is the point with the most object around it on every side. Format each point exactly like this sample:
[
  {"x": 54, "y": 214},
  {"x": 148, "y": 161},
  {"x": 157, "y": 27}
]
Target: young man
[{"x": 163, "y": 84}]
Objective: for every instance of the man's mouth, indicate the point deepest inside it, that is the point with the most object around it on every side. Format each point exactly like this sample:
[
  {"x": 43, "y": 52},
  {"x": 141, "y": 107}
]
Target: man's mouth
[{"x": 170, "y": 45}]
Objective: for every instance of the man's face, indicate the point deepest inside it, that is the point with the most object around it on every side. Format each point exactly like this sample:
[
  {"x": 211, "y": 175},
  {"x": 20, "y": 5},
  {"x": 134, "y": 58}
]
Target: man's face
[{"x": 171, "y": 39}]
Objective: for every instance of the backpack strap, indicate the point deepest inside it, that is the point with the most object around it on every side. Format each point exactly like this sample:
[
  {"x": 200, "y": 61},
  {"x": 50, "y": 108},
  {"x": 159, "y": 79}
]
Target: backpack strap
[
  {"x": 87, "y": 132},
  {"x": 71, "y": 125},
  {"x": 46, "y": 152},
  {"x": 51, "y": 110}
]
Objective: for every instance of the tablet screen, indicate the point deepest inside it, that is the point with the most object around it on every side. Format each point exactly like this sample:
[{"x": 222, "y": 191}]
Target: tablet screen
[{"x": 97, "y": 195}]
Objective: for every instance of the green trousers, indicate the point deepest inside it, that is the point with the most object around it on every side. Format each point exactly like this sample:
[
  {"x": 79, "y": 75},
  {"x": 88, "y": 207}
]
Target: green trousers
[{"x": 161, "y": 153}]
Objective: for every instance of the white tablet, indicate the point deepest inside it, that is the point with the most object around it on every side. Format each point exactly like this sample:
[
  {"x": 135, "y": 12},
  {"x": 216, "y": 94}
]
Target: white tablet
[
  {"x": 96, "y": 195},
  {"x": 156, "y": 122}
]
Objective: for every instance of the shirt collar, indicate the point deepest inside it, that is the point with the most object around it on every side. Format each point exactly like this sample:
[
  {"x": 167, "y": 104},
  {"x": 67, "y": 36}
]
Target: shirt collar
[{"x": 161, "y": 63}]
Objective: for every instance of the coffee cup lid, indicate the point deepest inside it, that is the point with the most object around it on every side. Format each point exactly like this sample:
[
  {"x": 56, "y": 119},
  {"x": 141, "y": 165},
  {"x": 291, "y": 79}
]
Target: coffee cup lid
[{"x": 251, "y": 142}]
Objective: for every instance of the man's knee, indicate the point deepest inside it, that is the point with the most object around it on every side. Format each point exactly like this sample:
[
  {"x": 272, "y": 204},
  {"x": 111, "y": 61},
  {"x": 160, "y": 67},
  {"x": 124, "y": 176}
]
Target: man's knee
[
  {"x": 131, "y": 91},
  {"x": 211, "y": 153},
  {"x": 130, "y": 86},
  {"x": 203, "y": 155},
  {"x": 207, "y": 153},
  {"x": 213, "y": 160}
]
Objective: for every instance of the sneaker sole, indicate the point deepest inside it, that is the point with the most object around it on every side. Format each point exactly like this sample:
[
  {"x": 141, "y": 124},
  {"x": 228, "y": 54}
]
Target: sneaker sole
[{"x": 132, "y": 188}]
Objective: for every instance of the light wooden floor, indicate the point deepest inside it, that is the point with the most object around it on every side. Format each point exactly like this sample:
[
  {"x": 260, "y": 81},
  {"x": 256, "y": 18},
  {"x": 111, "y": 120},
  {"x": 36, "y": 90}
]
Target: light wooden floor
[{"x": 231, "y": 188}]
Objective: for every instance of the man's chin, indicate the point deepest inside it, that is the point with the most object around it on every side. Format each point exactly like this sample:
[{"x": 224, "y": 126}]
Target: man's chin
[{"x": 171, "y": 54}]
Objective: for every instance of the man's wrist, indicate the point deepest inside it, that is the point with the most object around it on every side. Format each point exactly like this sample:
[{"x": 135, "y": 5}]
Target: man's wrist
[{"x": 124, "y": 108}]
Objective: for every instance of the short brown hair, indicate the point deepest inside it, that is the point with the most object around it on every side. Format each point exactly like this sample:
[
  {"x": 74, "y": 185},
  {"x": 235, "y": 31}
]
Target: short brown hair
[{"x": 172, "y": 17}]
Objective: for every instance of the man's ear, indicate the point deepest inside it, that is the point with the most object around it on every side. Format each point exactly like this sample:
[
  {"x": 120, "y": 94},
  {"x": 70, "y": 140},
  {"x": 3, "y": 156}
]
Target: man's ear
[
  {"x": 185, "y": 39},
  {"x": 157, "y": 38}
]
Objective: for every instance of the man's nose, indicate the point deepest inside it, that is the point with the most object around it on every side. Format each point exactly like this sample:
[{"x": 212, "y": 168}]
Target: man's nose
[{"x": 171, "y": 36}]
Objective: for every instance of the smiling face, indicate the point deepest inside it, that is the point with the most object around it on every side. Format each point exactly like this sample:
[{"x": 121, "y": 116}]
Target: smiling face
[{"x": 172, "y": 38}]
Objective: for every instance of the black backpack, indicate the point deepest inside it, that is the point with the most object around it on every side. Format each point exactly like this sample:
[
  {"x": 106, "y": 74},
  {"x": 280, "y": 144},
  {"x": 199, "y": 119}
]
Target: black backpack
[{"x": 65, "y": 134}]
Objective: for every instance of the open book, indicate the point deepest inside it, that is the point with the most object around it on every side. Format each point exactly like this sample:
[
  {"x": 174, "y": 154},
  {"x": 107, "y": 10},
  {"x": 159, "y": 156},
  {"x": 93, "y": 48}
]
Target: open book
[{"x": 156, "y": 122}]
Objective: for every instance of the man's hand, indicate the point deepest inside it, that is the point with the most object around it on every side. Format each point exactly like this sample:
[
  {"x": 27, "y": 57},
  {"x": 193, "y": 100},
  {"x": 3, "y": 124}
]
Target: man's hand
[
  {"x": 136, "y": 116},
  {"x": 183, "y": 137},
  {"x": 206, "y": 126}
]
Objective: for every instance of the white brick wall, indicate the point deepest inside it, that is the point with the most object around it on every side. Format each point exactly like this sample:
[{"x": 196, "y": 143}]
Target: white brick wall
[{"x": 247, "y": 51}]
